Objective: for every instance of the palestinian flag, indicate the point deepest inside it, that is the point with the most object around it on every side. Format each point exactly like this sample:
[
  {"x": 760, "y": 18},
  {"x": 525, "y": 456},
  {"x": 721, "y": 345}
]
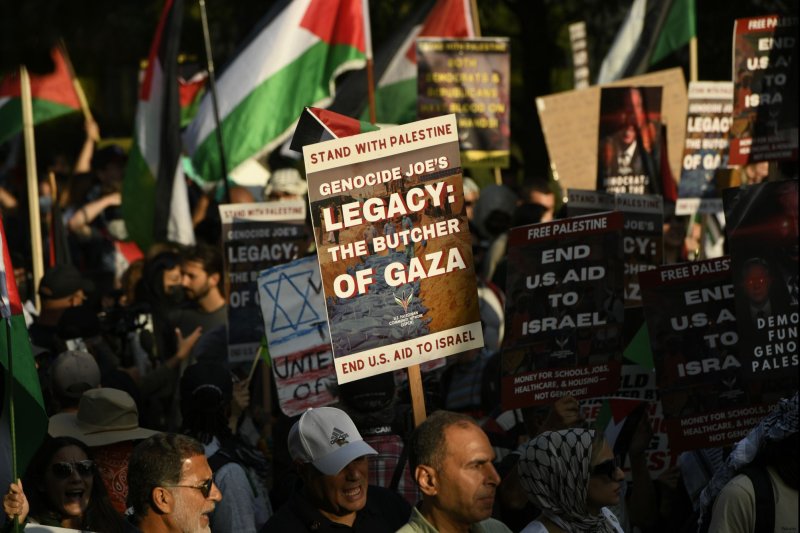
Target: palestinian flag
[
  {"x": 652, "y": 30},
  {"x": 396, "y": 92},
  {"x": 317, "y": 125},
  {"x": 30, "y": 418},
  {"x": 617, "y": 420},
  {"x": 290, "y": 61},
  {"x": 53, "y": 96},
  {"x": 190, "y": 93},
  {"x": 155, "y": 202}
]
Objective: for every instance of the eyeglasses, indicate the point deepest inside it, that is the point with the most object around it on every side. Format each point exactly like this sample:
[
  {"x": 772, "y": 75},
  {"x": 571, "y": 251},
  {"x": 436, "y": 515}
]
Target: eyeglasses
[
  {"x": 65, "y": 470},
  {"x": 205, "y": 488},
  {"x": 607, "y": 468}
]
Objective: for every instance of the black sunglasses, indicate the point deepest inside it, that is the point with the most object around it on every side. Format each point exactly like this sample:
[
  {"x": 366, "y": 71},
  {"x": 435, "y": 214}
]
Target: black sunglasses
[
  {"x": 205, "y": 488},
  {"x": 607, "y": 468},
  {"x": 65, "y": 470}
]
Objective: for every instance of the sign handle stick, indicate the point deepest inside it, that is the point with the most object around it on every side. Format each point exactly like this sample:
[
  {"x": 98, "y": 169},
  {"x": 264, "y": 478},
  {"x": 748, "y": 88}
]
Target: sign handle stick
[
  {"x": 255, "y": 363},
  {"x": 417, "y": 394}
]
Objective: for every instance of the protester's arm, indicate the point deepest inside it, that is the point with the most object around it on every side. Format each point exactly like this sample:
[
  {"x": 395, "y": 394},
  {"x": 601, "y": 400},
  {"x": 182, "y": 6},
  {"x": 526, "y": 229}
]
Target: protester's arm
[
  {"x": 15, "y": 503},
  {"x": 84, "y": 162},
  {"x": 7, "y": 200},
  {"x": 79, "y": 222},
  {"x": 642, "y": 503},
  {"x": 240, "y": 402}
]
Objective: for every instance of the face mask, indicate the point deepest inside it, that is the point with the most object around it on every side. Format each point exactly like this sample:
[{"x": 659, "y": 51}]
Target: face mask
[
  {"x": 175, "y": 295},
  {"x": 45, "y": 204}
]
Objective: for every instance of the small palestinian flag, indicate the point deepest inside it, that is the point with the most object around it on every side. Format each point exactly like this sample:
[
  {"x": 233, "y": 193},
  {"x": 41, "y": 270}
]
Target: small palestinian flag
[{"x": 316, "y": 125}]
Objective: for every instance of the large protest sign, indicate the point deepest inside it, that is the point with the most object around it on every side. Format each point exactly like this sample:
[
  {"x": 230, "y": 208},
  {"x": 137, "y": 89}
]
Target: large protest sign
[
  {"x": 630, "y": 144},
  {"x": 708, "y": 123},
  {"x": 564, "y": 310},
  {"x": 705, "y": 392},
  {"x": 642, "y": 233},
  {"x": 298, "y": 338},
  {"x": 394, "y": 247},
  {"x": 569, "y": 120},
  {"x": 471, "y": 78},
  {"x": 254, "y": 237},
  {"x": 765, "y": 77},
  {"x": 762, "y": 232}
]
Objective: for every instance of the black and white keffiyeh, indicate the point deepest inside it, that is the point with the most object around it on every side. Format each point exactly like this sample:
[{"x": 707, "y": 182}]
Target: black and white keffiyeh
[{"x": 554, "y": 470}]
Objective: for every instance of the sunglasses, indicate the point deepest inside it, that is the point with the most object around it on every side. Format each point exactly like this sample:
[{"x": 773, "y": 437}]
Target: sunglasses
[
  {"x": 205, "y": 488},
  {"x": 65, "y": 470},
  {"x": 607, "y": 468}
]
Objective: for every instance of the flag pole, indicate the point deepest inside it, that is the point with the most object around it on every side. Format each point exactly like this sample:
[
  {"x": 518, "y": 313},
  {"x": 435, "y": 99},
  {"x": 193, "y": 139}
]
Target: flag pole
[
  {"x": 370, "y": 64},
  {"x": 87, "y": 113},
  {"x": 693, "y": 59},
  {"x": 212, "y": 83},
  {"x": 10, "y": 402},
  {"x": 32, "y": 181}
]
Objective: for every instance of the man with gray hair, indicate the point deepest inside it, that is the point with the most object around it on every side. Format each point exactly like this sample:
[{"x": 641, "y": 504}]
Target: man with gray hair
[{"x": 170, "y": 485}]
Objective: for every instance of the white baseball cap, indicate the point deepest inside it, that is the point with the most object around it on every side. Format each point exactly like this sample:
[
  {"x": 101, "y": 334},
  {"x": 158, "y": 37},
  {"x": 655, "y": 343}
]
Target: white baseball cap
[{"x": 327, "y": 438}]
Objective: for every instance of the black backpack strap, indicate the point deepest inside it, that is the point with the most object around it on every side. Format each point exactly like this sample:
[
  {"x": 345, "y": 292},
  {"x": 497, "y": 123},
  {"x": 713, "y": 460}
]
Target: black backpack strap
[
  {"x": 765, "y": 497},
  {"x": 218, "y": 460}
]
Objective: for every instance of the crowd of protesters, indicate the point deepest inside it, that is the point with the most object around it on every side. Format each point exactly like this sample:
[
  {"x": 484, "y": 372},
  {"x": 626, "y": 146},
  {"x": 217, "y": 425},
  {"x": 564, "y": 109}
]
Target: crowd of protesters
[{"x": 151, "y": 429}]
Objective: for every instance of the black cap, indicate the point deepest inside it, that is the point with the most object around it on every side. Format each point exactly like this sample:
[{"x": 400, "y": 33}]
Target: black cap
[
  {"x": 206, "y": 387},
  {"x": 62, "y": 281}
]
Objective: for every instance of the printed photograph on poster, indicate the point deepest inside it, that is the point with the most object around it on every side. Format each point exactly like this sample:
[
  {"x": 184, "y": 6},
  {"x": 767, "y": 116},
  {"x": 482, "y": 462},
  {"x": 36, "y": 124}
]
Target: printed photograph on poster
[
  {"x": 707, "y": 396},
  {"x": 765, "y": 90},
  {"x": 471, "y": 78},
  {"x": 708, "y": 124},
  {"x": 394, "y": 247},
  {"x": 254, "y": 237},
  {"x": 762, "y": 232},
  {"x": 630, "y": 141},
  {"x": 293, "y": 308},
  {"x": 564, "y": 310},
  {"x": 642, "y": 231}
]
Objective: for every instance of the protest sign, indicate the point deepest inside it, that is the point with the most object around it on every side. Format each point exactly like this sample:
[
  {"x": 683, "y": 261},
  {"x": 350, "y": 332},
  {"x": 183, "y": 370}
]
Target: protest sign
[
  {"x": 762, "y": 232},
  {"x": 297, "y": 332},
  {"x": 642, "y": 231},
  {"x": 708, "y": 123},
  {"x": 707, "y": 398},
  {"x": 569, "y": 118},
  {"x": 254, "y": 237},
  {"x": 580, "y": 54},
  {"x": 765, "y": 88},
  {"x": 564, "y": 310},
  {"x": 630, "y": 144},
  {"x": 471, "y": 78},
  {"x": 394, "y": 247}
]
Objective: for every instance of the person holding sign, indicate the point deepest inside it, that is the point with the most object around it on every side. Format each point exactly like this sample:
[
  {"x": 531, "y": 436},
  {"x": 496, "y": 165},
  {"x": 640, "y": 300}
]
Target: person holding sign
[
  {"x": 451, "y": 458},
  {"x": 573, "y": 477},
  {"x": 331, "y": 459}
]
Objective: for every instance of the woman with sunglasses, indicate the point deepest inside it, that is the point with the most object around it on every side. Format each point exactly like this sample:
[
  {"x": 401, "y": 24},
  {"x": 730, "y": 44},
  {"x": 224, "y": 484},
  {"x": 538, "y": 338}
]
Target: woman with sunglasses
[
  {"x": 64, "y": 490},
  {"x": 572, "y": 477}
]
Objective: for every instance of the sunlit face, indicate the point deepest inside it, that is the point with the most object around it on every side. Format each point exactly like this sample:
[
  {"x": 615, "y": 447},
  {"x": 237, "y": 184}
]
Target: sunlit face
[
  {"x": 68, "y": 496},
  {"x": 195, "y": 280},
  {"x": 191, "y": 509},
  {"x": 341, "y": 496},
  {"x": 466, "y": 480},
  {"x": 603, "y": 490}
]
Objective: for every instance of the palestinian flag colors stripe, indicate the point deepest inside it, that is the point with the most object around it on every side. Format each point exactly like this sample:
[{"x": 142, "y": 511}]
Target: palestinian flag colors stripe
[
  {"x": 291, "y": 62},
  {"x": 316, "y": 125},
  {"x": 396, "y": 93},
  {"x": 53, "y": 96},
  {"x": 31, "y": 419},
  {"x": 191, "y": 92},
  {"x": 155, "y": 202}
]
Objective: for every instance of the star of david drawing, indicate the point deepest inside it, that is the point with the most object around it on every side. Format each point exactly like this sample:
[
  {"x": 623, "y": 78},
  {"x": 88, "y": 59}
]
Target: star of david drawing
[{"x": 288, "y": 288}]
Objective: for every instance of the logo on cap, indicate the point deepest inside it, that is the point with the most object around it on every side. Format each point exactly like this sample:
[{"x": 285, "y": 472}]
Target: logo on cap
[{"x": 339, "y": 437}]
